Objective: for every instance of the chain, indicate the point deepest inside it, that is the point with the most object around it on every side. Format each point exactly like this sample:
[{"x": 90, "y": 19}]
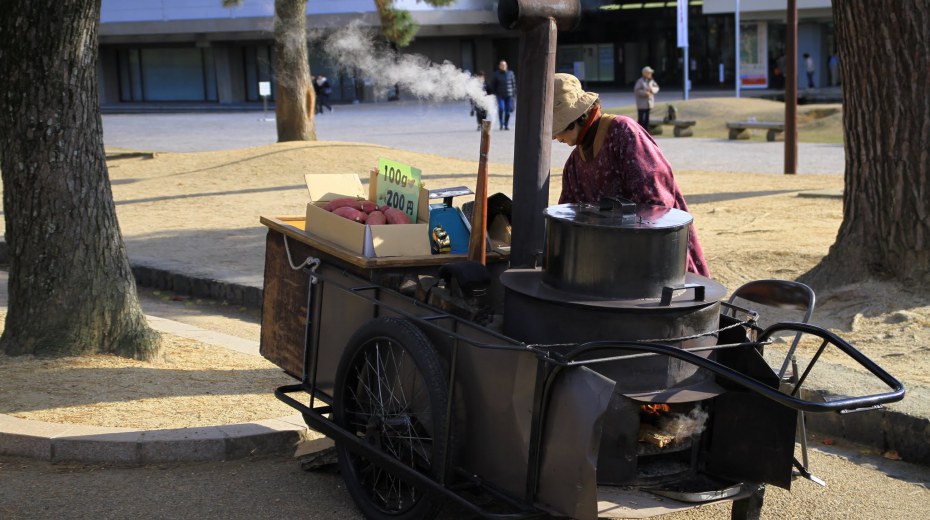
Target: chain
[{"x": 749, "y": 321}]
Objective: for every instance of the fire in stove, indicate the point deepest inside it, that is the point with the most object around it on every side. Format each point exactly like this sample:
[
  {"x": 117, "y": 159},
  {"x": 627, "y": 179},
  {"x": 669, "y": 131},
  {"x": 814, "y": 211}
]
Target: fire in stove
[{"x": 661, "y": 427}]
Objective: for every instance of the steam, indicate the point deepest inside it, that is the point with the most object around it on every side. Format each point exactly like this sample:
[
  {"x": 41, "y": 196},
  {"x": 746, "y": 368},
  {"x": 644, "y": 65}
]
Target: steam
[{"x": 353, "y": 48}]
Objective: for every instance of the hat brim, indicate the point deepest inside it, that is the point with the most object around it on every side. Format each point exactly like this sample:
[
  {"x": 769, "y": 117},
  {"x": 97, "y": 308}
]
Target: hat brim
[{"x": 568, "y": 115}]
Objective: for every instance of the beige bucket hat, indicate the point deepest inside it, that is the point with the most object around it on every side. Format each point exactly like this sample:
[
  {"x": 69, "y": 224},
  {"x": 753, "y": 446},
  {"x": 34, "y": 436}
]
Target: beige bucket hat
[{"x": 569, "y": 101}]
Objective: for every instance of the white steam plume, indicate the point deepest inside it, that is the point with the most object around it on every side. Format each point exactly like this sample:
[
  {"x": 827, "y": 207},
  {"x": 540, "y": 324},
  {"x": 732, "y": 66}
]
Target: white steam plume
[{"x": 351, "y": 48}]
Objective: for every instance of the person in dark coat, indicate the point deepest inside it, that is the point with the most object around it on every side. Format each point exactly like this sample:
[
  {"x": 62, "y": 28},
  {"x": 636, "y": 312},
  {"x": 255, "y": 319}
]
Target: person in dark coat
[
  {"x": 323, "y": 91},
  {"x": 476, "y": 109},
  {"x": 504, "y": 85}
]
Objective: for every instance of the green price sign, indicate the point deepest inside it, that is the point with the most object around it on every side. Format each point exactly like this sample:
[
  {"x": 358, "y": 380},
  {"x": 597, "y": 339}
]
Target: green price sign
[{"x": 398, "y": 187}]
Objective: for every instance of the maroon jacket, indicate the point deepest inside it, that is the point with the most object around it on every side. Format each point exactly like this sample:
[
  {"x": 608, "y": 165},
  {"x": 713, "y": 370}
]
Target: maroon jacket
[{"x": 620, "y": 159}]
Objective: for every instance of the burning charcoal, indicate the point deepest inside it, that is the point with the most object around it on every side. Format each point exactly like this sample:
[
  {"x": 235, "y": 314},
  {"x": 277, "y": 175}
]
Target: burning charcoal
[{"x": 652, "y": 435}]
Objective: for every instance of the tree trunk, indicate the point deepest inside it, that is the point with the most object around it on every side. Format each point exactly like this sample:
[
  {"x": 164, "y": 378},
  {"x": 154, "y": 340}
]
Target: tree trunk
[
  {"x": 884, "y": 52},
  {"x": 71, "y": 290},
  {"x": 294, "y": 97}
]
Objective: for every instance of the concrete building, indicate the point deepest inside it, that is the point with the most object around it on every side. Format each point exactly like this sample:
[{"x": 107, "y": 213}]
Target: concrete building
[
  {"x": 763, "y": 23},
  {"x": 197, "y": 52}
]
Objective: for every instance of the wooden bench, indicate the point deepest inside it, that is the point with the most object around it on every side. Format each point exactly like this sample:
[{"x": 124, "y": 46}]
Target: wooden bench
[
  {"x": 740, "y": 129},
  {"x": 682, "y": 128}
]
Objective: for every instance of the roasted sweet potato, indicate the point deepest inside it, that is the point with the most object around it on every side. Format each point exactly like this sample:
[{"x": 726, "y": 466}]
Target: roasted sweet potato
[
  {"x": 351, "y": 214},
  {"x": 345, "y": 202},
  {"x": 375, "y": 218},
  {"x": 368, "y": 206},
  {"x": 396, "y": 216}
]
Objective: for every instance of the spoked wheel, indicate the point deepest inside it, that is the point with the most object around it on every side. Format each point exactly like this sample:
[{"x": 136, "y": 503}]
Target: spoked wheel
[{"x": 391, "y": 391}]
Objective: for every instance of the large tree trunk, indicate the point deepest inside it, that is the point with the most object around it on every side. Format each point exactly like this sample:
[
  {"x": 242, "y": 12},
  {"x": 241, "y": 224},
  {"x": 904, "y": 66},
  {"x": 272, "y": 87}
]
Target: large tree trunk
[
  {"x": 884, "y": 53},
  {"x": 71, "y": 290},
  {"x": 294, "y": 97}
]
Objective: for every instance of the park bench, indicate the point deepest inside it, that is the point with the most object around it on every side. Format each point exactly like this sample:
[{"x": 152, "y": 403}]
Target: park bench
[
  {"x": 682, "y": 128},
  {"x": 740, "y": 129}
]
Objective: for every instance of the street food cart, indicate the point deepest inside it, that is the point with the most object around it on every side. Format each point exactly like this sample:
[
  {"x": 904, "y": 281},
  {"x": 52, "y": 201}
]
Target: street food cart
[{"x": 556, "y": 411}]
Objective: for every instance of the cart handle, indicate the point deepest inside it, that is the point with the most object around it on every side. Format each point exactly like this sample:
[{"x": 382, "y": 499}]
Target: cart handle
[{"x": 844, "y": 405}]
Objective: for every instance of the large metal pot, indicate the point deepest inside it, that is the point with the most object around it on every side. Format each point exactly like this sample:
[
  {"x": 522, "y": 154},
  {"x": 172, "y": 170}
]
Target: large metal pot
[
  {"x": 616, "y": 249},
  {"x": 616, "y": 271}
]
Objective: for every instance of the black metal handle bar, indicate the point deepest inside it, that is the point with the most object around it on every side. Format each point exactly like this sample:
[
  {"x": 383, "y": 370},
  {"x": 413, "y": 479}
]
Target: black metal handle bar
[{"x": 838, "y": 405}]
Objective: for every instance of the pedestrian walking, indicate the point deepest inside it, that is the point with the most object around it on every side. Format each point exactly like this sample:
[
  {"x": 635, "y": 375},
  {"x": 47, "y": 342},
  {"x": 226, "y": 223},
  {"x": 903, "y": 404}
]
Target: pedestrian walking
[
  {"x": 809, "y": 67},
  {"x": 476, "y": 109},
  {"x": 504, "y": 86},
  {"x": 323, "y": 91},
  {"x": 645, "y": 90}
]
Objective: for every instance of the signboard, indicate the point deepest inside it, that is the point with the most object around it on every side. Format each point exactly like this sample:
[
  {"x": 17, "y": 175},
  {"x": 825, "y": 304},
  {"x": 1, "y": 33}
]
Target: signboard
[
  {"x": 682, "y": 22},
  {"x": 398, "y": 187},
  {"x": 264, "y": 88},
  {"x": 753, "y": 55}
]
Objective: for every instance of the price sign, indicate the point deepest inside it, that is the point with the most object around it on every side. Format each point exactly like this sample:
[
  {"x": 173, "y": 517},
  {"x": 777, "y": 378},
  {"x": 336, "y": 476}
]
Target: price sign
[{"x": 398, "y": 187}]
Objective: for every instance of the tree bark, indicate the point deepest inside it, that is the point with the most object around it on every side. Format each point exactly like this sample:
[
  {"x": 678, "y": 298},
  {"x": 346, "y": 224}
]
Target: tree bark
[
  {"x": 71, "y": 290},
  {"x": 294, "y": 96},
  {"x": 884, "y": 59}
]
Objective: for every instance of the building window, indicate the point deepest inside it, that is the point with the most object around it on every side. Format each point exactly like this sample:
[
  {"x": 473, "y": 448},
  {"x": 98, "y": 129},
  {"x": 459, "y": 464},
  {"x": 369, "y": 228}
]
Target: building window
[{"x": 167, "y": 74}]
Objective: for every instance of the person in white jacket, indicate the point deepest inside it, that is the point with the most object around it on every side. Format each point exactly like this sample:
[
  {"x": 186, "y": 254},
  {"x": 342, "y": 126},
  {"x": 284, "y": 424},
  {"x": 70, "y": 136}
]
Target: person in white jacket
[{"x": 645, "y": 91}]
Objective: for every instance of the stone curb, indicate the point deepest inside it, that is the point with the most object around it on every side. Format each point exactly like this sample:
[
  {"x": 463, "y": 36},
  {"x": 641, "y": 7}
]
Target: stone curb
[
  {"x": 55, "y": 442},
  {"x": 157, "y": 278}
]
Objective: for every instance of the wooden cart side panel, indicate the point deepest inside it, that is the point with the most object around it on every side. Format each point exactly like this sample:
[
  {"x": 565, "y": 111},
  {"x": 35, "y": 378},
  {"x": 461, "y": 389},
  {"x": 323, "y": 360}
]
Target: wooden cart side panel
[{"x": 284, "y": 306}]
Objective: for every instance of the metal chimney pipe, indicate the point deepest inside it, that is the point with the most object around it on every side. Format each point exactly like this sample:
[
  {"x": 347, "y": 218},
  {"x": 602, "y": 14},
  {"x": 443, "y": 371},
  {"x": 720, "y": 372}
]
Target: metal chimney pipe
[
  {"x": 538, "y": 21},
  {"x": 791, "y": 90}
]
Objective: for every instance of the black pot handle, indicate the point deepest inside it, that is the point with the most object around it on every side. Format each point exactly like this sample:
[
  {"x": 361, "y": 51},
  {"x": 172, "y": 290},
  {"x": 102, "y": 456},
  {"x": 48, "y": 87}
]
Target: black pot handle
[
  {"x": 626, "y": 206},
  {"x": 669, "y": 290}
]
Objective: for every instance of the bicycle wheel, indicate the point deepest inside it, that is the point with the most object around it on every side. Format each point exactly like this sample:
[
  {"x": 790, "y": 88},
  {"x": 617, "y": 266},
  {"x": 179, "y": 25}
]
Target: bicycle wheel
[{"x": 392, "y": 392}]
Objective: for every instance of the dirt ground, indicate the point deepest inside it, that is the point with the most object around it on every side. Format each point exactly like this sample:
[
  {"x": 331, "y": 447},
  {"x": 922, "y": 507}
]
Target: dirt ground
[{"x": 751, "y": 227}]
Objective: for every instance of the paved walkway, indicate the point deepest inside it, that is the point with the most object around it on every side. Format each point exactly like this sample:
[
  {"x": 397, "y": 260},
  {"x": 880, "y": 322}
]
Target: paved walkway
[{"x": 443, "y": 129}]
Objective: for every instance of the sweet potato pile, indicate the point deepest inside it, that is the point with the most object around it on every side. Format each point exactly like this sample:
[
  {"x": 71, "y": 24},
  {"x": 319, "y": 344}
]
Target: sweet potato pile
[{"x": 366, "y": 212}]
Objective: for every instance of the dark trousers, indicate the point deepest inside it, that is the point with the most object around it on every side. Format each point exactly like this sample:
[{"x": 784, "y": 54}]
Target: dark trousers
[
  {"x": 480, "y": 115},
  {"x": 322, "y": 101},
  {"x": 810, "y": 80},
  {"x": 643, "y": 115}
]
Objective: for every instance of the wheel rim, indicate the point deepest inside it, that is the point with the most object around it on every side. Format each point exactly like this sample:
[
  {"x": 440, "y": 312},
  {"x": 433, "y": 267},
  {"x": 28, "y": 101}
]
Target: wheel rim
[{"x": 387, "y": 404}]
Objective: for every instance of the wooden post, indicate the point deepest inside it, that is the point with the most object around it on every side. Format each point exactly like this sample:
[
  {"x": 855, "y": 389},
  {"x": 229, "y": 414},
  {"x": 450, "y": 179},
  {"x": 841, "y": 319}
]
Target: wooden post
[{"x": 479, "y": 216}]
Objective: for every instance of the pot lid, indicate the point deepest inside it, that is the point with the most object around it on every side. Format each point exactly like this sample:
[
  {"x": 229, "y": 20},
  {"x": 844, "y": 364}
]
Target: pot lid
[{"x": 620, "y": 213}]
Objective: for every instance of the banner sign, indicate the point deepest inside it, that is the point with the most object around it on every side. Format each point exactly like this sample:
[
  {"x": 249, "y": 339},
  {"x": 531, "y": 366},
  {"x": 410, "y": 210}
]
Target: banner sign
[
  {"x": 682, "y": 23},
  {"x": 753, "y": 55}
]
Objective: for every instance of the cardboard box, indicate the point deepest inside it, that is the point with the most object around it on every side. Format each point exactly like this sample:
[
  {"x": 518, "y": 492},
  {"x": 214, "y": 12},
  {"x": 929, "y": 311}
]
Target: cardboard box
[{"x": 362, "y": 239}]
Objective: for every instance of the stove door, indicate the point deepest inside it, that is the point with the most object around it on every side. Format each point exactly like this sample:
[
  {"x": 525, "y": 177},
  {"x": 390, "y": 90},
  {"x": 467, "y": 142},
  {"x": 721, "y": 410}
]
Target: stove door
[{"x": 752, "y": 439}]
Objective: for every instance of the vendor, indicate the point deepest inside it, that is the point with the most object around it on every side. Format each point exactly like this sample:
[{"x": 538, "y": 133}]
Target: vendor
[{"x": 613, "y": 157}]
